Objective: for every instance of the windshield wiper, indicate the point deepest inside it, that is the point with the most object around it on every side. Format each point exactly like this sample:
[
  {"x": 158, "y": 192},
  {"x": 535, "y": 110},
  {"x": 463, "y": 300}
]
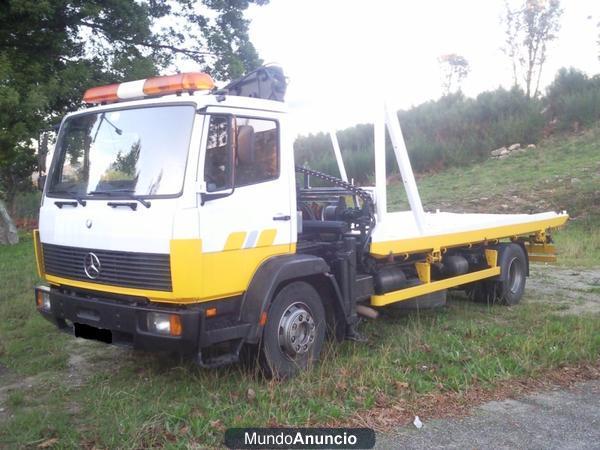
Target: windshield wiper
[
  {"x": 128, "y": 193},
  {"x": 111, "y": 192},
  {"x": 72, "y": 194}
]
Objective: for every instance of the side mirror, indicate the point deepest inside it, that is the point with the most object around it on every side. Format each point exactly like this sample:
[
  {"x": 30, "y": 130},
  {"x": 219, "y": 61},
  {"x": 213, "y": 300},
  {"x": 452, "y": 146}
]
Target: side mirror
[
  {"x": 231, "y": 161},
  {"x": 41, "y": 182}
]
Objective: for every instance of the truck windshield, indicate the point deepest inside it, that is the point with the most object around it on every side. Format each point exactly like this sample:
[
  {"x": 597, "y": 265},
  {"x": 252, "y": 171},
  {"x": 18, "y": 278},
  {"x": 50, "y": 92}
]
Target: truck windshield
[{"x": 128, "y": 152}]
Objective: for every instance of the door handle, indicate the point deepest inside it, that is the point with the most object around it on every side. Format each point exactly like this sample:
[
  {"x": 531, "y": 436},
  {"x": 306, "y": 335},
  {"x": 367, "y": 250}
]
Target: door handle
[{"x": 282, "y": 218}]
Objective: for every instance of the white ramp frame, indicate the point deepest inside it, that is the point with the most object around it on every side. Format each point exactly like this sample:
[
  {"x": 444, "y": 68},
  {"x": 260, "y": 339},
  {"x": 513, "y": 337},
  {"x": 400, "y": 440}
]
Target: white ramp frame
[
  {"x": 338, "y": 155},
  {"x": 380, "y": 171},
  {"x": 386, "y": 116},
  {"x": 408, "y": 178}
]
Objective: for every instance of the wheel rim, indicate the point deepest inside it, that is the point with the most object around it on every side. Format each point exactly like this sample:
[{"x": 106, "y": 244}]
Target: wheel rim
[
  {"x": 296, "y": 330},
  {"x": 515, "y": 275}
]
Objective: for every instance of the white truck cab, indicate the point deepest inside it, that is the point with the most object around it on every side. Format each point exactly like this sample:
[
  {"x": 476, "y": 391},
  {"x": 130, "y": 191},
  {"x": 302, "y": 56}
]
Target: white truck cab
[
  {"x": 143, "y": 185},
  {"x": 171, "y": 219}
]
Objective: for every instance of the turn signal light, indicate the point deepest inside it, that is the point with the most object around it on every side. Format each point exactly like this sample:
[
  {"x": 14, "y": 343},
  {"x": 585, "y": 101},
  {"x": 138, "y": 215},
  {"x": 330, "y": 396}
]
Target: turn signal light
[
  {"x": 211, "y": 312},
  {"x": 263, "y": 319},
  {"x": 175, "y": 321},
  {"x": 42, "y": 299}
]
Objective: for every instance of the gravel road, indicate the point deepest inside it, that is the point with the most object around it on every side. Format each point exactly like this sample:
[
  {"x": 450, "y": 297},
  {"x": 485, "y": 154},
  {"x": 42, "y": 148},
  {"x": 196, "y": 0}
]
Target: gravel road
[{"x": 559, "y": 419}]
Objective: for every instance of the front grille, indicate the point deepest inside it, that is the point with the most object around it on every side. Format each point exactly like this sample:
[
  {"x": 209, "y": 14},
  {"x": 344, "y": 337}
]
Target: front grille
[{"x": 136, "y": 270}]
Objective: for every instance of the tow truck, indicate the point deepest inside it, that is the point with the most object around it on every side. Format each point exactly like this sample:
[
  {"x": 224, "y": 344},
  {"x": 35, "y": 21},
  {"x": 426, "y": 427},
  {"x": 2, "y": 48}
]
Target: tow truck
[{"x": 173, "y": 218}]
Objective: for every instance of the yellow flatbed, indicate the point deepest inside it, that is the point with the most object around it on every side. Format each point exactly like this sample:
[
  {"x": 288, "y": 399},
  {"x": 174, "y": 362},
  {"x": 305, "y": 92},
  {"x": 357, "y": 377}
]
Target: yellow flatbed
[{"x": 398, "y": 233}]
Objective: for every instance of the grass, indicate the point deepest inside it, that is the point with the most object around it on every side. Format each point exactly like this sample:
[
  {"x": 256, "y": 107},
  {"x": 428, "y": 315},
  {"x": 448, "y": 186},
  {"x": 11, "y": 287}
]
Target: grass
[
  {"x": 561, "y": 174},
  {"x": 579, "y": 244},
  {"x": 86, "y": 394}
]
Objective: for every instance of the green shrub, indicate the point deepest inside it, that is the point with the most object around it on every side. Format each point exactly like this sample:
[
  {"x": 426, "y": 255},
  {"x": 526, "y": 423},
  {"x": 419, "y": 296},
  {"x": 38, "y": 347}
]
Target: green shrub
[
  {"x": 27, "y": 205},
  {"x": 455, "y": 130},
  {"x": 573, "y": 100}
]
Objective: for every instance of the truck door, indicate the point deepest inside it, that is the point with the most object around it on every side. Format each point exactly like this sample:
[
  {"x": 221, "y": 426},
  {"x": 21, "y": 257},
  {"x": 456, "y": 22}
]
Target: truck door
[{"x": 245, "y": 217}]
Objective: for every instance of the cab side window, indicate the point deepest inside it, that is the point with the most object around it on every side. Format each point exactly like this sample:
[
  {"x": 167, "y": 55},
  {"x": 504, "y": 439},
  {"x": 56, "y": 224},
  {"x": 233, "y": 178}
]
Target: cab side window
[
  {"x": 256, "y": 152},
  {"x": 257, "y": 158}
]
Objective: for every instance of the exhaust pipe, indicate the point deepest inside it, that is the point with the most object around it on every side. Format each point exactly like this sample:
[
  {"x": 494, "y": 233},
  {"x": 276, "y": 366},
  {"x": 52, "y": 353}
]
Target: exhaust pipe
[{"x": 367, "y": 312}]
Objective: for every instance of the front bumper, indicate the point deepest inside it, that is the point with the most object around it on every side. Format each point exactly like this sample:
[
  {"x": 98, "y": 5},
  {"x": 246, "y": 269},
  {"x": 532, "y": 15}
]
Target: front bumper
[{"x": 123, "y": 321}]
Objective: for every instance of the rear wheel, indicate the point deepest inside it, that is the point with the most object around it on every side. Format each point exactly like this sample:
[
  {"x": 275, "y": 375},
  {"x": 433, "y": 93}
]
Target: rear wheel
[
  {"x": 294, "y": 333},
  {"x": 509, "y": 290},
  {"x": 514, "y": 268}
]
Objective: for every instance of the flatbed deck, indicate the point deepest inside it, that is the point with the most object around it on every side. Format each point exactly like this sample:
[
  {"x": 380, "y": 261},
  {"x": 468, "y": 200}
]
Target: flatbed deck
[{"x": 398, "y": 232}]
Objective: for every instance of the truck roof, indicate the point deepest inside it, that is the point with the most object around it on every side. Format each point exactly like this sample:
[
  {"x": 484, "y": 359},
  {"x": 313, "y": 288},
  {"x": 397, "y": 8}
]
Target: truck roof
[
  {"x": 201, "y": 99},
  {"x": 262, "y": 89}
]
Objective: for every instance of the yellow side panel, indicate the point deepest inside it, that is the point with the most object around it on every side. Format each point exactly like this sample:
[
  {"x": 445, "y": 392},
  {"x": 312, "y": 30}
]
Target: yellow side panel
[
  {"x": 199, "y": 276},
  {"x": 186, "y": 267},
  {"x": 230, "y": 272}
]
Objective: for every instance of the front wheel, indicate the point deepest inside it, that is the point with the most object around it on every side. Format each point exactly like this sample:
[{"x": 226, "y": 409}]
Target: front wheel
[{"x": 294, "y": 333}]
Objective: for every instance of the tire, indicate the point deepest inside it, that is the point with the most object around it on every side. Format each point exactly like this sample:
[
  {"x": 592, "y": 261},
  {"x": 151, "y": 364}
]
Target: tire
[
  {"x": 294, "y": 333},
  {"x": 514, "y": 269},
  {"x": 509, "y": 290}
]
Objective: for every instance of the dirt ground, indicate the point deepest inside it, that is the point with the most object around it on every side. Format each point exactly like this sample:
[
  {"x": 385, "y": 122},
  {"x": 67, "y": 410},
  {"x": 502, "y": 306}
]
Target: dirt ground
[{"x": 577, "y": 291}]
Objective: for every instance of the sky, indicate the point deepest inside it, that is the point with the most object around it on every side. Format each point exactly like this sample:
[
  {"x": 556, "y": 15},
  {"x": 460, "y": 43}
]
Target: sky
[{"x": 343, "y": 58}]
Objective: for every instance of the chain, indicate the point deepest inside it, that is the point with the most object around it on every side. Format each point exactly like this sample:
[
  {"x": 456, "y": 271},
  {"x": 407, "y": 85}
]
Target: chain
[
  {"x": 364, "y": 195},
  {"x": 368, "y": 209}
]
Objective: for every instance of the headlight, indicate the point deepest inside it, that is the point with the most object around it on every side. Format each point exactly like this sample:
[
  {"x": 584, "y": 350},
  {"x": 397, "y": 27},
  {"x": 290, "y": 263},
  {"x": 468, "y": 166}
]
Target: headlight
[
  {"x": 42, "y": 298},
  {"x": 165, "y": 324}
]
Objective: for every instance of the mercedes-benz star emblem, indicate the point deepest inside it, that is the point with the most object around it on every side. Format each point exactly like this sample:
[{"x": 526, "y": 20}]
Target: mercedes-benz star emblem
[
  {"x": 91, "y": 265},
  {"x": 88, "y": 223}
]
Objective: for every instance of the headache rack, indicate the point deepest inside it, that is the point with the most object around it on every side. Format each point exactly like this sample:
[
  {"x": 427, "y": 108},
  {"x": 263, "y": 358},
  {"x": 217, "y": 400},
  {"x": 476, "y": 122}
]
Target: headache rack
[{"x": 267, "y": 82}]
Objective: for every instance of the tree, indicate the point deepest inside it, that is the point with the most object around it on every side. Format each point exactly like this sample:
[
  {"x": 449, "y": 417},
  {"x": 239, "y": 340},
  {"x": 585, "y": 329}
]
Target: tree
[
  {"x": 529, "y": 29},
  {"x": 51, "y": 51},
  {"x": 454, "y": 69}
]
